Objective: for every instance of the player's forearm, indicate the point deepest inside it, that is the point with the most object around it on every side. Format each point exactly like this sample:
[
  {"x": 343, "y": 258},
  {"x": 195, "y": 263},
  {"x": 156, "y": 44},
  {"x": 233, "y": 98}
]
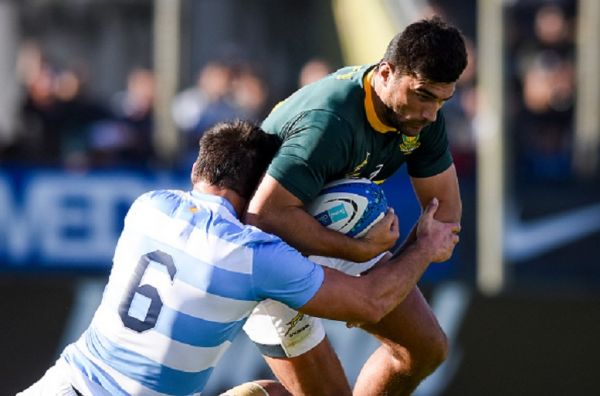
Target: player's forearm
[
  {"x": 299, "y": 229},
  {"x": 394, "y": 280},
  {"x": 450, "y": 210},
  {"x": 368, "y": 298},
  {"x": 445, "y": 188}
]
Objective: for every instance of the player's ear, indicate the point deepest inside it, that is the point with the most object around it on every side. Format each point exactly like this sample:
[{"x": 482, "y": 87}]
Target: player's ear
[
  {"x": 385, "y": 70},
  {"x": 193, "y": 171}
]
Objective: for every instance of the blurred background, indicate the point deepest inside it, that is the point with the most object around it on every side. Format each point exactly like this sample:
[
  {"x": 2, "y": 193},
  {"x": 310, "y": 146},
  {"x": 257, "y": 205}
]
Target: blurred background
[{"x": 102, "y": 100}]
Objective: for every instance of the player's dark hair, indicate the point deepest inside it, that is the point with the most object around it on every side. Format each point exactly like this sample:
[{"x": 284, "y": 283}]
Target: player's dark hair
[
  {"x": 431, "y": 48},
  {"x": 234, "y": 155}
]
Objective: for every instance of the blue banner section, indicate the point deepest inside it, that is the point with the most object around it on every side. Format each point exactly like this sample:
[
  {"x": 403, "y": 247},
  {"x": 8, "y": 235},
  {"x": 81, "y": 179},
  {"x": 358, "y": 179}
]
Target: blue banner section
[{"x": 51, "y": 219}]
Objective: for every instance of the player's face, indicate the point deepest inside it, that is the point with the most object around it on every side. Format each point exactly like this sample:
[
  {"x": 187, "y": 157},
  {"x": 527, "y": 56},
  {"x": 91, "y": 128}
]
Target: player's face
[{"x": 412, "y": 102}]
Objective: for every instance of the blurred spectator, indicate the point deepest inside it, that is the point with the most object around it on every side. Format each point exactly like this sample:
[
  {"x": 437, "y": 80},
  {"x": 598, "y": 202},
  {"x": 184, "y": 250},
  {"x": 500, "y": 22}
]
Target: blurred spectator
[
  {"x": 126, "y": 138},
  {"x": 207, "y": 102},
  {"x": 56, "y": 112},
  {"x": 547, "y": 116},
  {"x": 201, "y": 106},
  {"x": 313, "y": 70},
  {"x": 545, "y": 75},
  {"x": 249, "y": 93},
  {"x": 39, "y": 139},
  {"x": 77, "y": 113},
  {"x": 135, "y": 103},
  {"x": 36, "y": 78},
  {"x": 552, "y": 28}
]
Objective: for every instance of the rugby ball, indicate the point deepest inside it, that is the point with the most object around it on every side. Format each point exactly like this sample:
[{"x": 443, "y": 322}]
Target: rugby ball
[{"x": 350, "y": 206}]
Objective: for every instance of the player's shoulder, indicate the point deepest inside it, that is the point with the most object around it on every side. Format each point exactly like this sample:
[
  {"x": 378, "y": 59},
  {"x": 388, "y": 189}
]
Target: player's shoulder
[
  {"x": 343, "y": 85},
  {"x": 269, "y": 248},
  {"x": 167, "y": 202},
  {"x": 162, "y": 198},
  {"x": 343, "y": 94},
  {"x": 254, "y": 236},
  {"x": 326, "y": 121},
  {"x": 334, "y": 92},
  {"x": 330, "y": 101},
  {"x": 351, "y": 73}
]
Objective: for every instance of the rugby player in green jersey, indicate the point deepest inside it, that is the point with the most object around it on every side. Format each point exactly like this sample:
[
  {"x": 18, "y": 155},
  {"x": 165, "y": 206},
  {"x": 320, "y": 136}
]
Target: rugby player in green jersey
[{"x": 363, "y": 121}]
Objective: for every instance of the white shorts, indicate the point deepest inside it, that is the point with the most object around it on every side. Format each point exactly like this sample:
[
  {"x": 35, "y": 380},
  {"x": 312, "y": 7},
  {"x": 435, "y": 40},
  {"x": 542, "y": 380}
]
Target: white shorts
[
  {"x": 62, "y": 379},
  {"x": 55, "y": 382},
  {"x": 280, "y": 331}
]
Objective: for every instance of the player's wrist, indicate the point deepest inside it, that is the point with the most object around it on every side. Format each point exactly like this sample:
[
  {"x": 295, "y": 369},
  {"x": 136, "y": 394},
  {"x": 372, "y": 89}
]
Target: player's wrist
[
  {"x": 424, "y": 248},
  {"x": 367, "y": 249}
]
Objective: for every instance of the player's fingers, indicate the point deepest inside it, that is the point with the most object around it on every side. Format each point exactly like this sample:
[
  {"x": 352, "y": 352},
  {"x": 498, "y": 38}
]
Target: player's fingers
[
  {"x": 432, "y": 207},
  {"x": 395, "y": 225},
  {"x": 389, "y": 217}
]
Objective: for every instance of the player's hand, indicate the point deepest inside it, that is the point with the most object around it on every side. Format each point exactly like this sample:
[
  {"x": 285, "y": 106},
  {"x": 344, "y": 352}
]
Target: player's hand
[
  {"x": 437, "y": 238},
  {"x": 383, "y": 235}
]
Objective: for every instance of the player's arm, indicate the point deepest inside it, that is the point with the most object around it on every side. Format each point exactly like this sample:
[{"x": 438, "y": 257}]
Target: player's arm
[
  {"x": 274, "y": 209},
  {"x": 370, "y": 297},
  {"x": 445, "y": 187}
]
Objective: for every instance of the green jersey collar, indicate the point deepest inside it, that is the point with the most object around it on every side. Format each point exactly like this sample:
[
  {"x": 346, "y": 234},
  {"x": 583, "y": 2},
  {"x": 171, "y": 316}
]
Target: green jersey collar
[{"x": 372, "y": 117}]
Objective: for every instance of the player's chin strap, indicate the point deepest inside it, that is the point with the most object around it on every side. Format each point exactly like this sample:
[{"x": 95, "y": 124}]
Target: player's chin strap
[{"x": 246, "y": 389}]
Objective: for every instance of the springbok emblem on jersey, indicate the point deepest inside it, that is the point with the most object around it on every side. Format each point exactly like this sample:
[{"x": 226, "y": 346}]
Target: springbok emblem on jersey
[{"x": 409, "y": 144}]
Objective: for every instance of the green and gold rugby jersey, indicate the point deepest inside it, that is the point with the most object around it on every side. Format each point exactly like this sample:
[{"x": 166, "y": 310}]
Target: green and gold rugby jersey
[{"x": 330, "y": 130}]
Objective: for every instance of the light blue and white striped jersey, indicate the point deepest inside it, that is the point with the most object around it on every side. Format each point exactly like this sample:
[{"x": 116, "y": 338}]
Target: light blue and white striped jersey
[{"x": 186, "y": 274}]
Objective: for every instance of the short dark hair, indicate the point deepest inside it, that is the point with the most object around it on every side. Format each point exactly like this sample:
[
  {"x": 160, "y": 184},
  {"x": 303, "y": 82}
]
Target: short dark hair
[
  {"x": 431, "y": 48},
  {"x": 234, "y": 155}
]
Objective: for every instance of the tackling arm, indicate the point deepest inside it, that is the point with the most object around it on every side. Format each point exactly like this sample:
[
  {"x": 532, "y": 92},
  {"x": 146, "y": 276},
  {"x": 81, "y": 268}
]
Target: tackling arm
[
  {"x": 368, "y": 298},
  {"x": 276, "y": 210}
]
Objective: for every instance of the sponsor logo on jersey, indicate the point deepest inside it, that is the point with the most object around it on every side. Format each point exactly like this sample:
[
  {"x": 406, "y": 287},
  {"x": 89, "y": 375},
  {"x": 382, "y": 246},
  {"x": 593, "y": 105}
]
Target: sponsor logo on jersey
[{"x": 409, "y": 144}]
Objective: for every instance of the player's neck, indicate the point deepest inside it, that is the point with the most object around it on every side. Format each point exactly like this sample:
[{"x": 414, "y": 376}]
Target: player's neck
[
  {"x": 236, "y": 200},
  {"x": 378, "y": 105}
]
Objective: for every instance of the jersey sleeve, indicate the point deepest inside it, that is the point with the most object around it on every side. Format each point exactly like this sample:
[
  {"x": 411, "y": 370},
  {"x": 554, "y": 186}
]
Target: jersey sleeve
[
  {"x": 315, "y": 148},
  {"x": 281, "y": 273},
  {"x": 433, "y": 156}
]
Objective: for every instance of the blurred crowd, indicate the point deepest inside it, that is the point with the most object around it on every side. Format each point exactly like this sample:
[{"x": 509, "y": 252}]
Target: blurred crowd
[
  {"x": 61, "y": 124},
  {"x": 540, "y": 88}
]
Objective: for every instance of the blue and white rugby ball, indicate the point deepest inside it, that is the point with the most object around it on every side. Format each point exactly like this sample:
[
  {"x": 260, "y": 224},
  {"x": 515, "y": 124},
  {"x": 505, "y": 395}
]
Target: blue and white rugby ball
[{"x": 350, "y": 206}]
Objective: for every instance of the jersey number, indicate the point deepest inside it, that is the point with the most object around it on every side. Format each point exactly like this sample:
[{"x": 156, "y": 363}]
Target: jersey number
[{"x": 145, "y": 290}]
